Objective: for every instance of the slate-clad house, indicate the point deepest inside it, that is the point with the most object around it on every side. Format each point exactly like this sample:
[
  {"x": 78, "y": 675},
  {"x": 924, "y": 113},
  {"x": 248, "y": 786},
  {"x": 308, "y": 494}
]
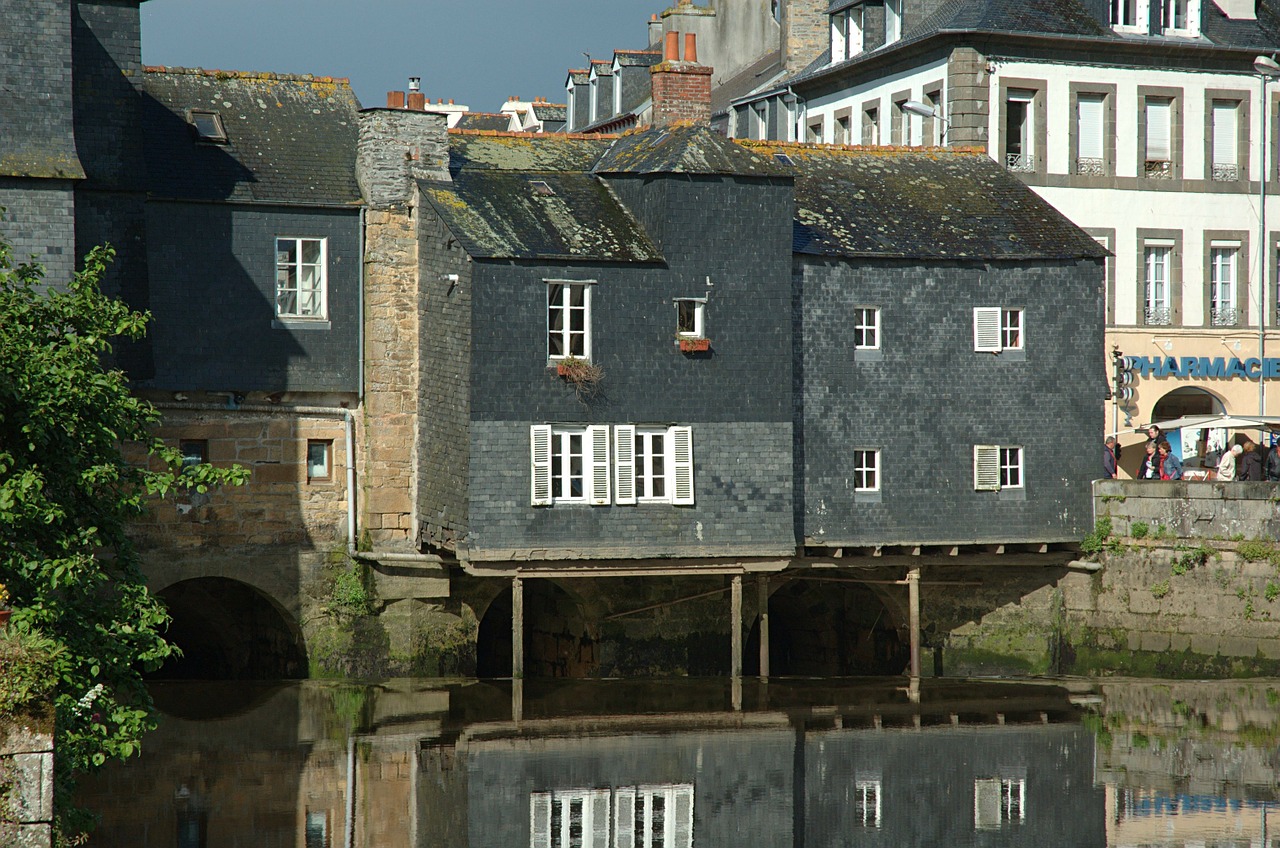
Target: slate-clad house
[
  {"x": 948, "y": 335},
  {"x": 608, "y": 252},
  {"x": 260, "y": 166}
]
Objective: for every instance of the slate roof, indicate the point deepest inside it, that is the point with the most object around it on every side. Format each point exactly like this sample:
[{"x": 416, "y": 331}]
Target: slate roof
[
  {"x": 920, "y": 203},
  {"x": 532, "y": 196},
  {"x": 761, "y": 72},
  {"x": 290, "y": 139},
  {"x": 1066, "y": 19},
  {"x": 637, "y": 58},
  {"x": 549, "y": 111},
  {"x": 496, "y": 121},
  {"x": 683, "y": 149}
]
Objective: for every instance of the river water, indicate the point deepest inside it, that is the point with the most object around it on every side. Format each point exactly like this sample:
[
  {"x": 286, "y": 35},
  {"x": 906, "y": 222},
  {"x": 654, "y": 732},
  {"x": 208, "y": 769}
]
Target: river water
[{"x": 684, "y": 763}]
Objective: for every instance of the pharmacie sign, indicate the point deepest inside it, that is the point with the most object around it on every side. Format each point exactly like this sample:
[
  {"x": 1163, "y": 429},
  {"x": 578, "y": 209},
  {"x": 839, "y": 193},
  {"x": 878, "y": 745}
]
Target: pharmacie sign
[{"x": 1220, "y": 367}]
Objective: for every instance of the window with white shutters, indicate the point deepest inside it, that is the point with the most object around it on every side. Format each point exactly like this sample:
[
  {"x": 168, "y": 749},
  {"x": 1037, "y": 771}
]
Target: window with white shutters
[
  {"x": 1090, "y": 143},
  {"x": 986, "y": 468},
  {"x": 663, "y": 816},
  {"x": 540, "y": 820},
  {"x": 1226, "y": 141},
  {"x": 600, "y": 465},
  {"x": 624, "y": 816},
  {"x": 1159, "y": 155},
  {"x": 682, "y": 465},
  {"x": 998, "y": 802},
  {"x": 867, "y": 802},
  {"x": 1156, "y": 261},
  {"x": 624, "y": 459},
  {"x": 997, "y": 329}
]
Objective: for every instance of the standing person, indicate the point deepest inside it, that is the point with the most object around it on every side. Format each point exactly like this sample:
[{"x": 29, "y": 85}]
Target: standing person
[
  {"x": 1109, "y": 457},
  {"x": 1149, "y": 468},
  {"x": 1250, "y": 468},
  {"x": 1272, "y": 469},
  {"x": 1153, "y": 435},
  {"x": 1227, "y": 466},
  {"x": 1170, "y": 465}
]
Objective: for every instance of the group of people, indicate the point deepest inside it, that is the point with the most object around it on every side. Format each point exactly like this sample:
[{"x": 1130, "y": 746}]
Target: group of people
[{"x": 1243, "y": 461}]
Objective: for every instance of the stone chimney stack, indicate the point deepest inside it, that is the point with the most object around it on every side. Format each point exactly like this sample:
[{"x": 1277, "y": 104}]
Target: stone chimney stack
[
  {"x": 395, "y": 146},
  {"x": 681, "y": 87},
  {"x": 805, "y": 32}
]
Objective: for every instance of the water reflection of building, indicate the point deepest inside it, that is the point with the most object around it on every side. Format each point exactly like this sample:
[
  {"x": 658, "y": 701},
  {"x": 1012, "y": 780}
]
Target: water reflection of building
[{"x": 447, "y": 766}]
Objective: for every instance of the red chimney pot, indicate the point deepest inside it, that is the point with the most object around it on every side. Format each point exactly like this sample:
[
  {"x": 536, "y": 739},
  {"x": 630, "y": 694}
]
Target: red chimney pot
[
  {"x": 395, "y": 99},
  {"x": 671, "y": 51},
  {"x": 691, "y": 47}
]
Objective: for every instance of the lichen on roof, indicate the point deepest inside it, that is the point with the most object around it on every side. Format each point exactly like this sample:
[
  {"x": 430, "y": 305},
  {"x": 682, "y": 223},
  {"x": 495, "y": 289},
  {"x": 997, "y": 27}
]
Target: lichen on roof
[
  {"x": 683, "y": 149},
  {"x": 524, "y": 151},
  {"x": 500, "y": 214},
  {"x": 920, "y": 203}
]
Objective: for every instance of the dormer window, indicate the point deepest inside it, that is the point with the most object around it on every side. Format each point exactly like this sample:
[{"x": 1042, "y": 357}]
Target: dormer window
[
  {"x": 846, "y": 33},
  {"x": 208, "y": 126},
  {"x": 1182, "y": 17},
  {"x": 1131, "y": 16},
  {"x": 892, "y": 21}
]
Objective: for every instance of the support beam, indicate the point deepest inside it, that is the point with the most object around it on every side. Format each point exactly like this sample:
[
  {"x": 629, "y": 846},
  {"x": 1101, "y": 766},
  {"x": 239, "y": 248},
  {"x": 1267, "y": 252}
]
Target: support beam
[
  {"x": 762, "y": 602},
  {"x": 517, "y": 628},
  {"x": 913, "y": 601},
  {"x": 735, "y": 616}
]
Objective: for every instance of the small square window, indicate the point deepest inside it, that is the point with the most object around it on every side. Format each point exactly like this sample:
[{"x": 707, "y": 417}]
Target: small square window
[
  {"x": 317, "y": 829},
  {"x": 866, "y": 470},
  {"x": 866, "y": 328},
  {"x": 996, "y": 329},
  {"x": 194, "y": 452},
  {"x": 319, "y": 459},
  {"x": 689, "y": 318},
  {"x": 300, "y": 278},
  {"x": 208, "y": 126},
  {"x": 998, "y": 467}
]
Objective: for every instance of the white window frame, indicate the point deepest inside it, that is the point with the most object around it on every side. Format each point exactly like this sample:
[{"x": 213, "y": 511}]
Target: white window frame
[
  {"x": 1224, "y": 143},
  {"x": 1130, "y": 16},
  {"x": 699, "y": 307},
  {"x": 566, "y": 331},
  {"x": 997, "y": 329},
  {"x": 892, "y": 21},
  {"x": 595, "y": 814},
  {"x": 552, "y": 445},
  {"x": 866, "y": 470},
  {"x": 677, "y": 816},
  {"x": 994, "y": 465},
  {"x": 1025, "y": 160},
  {"x": 866, "y": 321},
  {"x": 999, "y": 801},
  {"x": 866, "y": 799},
  {"x": 1224, "y": 264},
  {"x": 1190, "y": 18},
  {"x": 318, "y": 304},
  {"x": 1091, "y": 142},
  {"x": 634, "y": 469},
  {"x": 325, "y": 446},
  {"x": 1157, "y": 263},
  {"x": 1158, "y": 144}
]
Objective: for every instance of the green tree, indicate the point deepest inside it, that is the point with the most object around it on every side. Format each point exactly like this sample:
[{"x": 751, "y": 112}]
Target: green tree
[{"x": 67, "y": 494}]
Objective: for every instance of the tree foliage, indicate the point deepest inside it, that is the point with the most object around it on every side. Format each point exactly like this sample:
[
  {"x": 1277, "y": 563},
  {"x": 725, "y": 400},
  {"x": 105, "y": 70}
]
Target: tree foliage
[{"x": 67, "y": 494}]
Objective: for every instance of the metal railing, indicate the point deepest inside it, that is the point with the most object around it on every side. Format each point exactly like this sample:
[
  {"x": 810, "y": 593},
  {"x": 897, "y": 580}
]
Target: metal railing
[
  {"x": 1226, "y": 173},
  {"x": 1020, "y": 162},
  {"x": 1159, "y": 169},
  {"x": 1089, "y": 167},
  {"x": 1224, "y": 316},
  {"x": 1159, "y": 316}
]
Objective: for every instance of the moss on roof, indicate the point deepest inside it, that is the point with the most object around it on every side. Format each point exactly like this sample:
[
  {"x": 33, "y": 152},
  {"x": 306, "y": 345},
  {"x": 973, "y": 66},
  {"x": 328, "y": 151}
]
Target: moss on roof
[
  {"x": 538, "y": 215},
  {"x": 524, "y": 151},
  {"x": 290, "y": 139},
  {"x": 913, "y": 202},
  {"x": 683, "y": 149}
]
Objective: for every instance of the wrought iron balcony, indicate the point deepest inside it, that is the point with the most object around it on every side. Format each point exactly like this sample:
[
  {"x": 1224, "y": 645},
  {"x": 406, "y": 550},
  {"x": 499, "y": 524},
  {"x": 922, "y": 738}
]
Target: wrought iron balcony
[
  {"x": 1224, "y": 316},
  {"x": 1089, "y": 167},
  {"x": 1159, "y": 169},
  {"x": 1023, "y": 163},
  {"x": 1225, "y": 173},
  {"x": 1159, "y": 316}
]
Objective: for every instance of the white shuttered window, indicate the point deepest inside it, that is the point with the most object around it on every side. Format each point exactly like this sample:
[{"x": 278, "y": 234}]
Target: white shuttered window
[
  {"x": 1159, "y": 134},
  {"x": 1089, "y": 126},
  {"x": 600, "y": 465}
]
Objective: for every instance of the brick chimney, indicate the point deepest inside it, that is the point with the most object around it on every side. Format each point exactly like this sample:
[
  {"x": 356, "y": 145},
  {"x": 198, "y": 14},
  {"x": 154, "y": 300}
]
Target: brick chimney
[{"x": 681, "y": 87}]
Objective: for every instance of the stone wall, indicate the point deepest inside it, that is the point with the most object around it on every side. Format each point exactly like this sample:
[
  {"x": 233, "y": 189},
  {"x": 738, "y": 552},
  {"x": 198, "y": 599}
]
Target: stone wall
[
  {"x": 1191, "y": 510},
  {"x": 968, "y": 98},
  {"x": 26, "y": 780}
]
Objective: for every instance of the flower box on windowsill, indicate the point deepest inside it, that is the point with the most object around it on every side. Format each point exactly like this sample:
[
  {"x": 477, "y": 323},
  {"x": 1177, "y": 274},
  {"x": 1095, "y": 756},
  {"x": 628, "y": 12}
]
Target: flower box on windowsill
[{"x": 695, "y": 345}]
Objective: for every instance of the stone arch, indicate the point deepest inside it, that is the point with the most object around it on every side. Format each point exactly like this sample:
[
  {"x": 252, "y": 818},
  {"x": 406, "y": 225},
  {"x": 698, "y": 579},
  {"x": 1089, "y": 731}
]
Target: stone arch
[
  {"x": 558, "y": 640},
  {"x": 228, "y": 629},
  {"x": 831, "y": 629}
]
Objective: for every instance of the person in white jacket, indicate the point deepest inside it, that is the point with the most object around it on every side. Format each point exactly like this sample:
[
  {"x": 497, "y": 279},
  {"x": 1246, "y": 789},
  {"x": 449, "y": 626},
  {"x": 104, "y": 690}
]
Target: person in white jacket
[{"x": 1227, "y": 467}]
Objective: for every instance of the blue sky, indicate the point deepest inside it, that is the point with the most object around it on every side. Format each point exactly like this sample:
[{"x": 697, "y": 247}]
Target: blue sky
[{"x": 477, "y": 52}]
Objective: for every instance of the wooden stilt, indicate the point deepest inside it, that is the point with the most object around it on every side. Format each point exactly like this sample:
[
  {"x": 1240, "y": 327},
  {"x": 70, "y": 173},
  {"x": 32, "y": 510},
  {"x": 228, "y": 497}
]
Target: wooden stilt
[
  {"x": 517, "y": 628},
  {"x": 735, "y": 621},
  {"x": 762, "y": 590},
  {"x": 913, "y": 600}
]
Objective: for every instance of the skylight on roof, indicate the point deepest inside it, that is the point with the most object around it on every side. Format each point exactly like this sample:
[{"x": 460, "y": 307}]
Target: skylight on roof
[
  {"x": 783, "y": 158},
  {"x": 542, "y": 189},
  {"x": 208, "y": 126}
]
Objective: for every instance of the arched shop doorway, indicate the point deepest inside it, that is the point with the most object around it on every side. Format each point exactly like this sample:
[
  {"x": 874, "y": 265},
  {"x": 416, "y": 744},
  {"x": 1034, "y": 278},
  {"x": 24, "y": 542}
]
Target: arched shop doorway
[
  {"x": 1196, "y": 447},
  {"x": 556, "y": 641},
  {"x": 1186, "y": 401}
]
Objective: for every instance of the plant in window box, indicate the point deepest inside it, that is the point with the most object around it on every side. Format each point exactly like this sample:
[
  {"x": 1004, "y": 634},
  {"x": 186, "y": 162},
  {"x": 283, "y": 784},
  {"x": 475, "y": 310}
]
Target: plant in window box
[
  {"x": 583, "y": 374},
  {"x": 689, "y": 344}
]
